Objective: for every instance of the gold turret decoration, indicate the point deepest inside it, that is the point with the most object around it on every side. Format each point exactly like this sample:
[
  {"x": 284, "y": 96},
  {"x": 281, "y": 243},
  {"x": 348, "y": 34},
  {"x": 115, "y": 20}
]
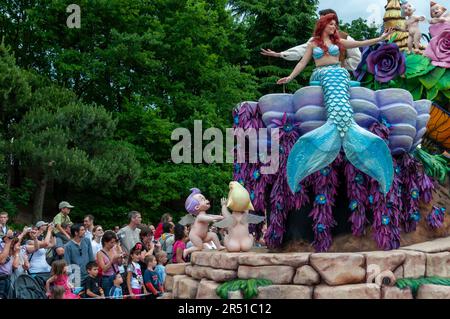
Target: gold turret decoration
[{"x": 393, "y": 19}]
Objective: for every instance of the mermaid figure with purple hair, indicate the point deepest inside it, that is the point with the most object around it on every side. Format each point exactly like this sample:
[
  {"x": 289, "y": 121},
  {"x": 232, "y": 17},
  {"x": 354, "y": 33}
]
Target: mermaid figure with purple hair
[{"x": 197, "y": 205}]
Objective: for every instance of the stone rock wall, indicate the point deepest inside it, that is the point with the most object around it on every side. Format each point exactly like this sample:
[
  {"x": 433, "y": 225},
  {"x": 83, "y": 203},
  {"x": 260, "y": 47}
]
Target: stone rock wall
[{"x": 365, "y": 275}]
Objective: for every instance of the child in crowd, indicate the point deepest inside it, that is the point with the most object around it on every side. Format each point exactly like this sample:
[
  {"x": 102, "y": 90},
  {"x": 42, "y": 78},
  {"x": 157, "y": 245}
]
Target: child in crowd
[
  {"x": 160, "y": 269},
  {"x": 60, "y": 278},
  {"x": 167, "y": 239},
  {"x": 57, "y": 292},
  {"x": 181, "y": 237},
  {"x": 151, "y": 280},
  {"x": 135, "y": 282},
  {"x": 116, "y": 289},
  {"x": 91, "y": 286}
]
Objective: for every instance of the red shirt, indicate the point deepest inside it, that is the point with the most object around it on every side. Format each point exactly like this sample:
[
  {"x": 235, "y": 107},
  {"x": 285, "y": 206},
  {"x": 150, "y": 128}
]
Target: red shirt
[
  {"x": 158, "y": 231},
  {"x": 176, "y": 245}
]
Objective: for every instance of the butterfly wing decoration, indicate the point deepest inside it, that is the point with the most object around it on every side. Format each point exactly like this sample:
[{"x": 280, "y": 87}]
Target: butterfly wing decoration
[
  {"x": 187, "y": 220},
  {"x": 227, "y": 222},
  {"x": 255, "y": 219}
]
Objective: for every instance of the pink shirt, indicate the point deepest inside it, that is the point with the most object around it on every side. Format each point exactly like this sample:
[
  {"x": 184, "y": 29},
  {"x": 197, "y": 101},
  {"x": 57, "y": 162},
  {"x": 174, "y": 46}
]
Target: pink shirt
[{"x": 178, "y": 244}]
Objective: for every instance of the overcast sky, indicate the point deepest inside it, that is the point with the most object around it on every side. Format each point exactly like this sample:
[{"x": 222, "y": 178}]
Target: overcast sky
[{"x": 373, "y": 10}]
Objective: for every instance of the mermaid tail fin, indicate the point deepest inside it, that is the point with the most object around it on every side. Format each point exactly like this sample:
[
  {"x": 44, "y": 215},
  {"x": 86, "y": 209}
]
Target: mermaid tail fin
[
  {"x": 312, "y": 152},
  {"x": 370, "y": 154}
]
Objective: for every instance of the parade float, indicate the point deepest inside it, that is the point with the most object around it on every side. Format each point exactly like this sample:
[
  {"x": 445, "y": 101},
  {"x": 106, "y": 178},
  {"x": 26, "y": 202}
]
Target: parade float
[{"x": 341, "y": 233}]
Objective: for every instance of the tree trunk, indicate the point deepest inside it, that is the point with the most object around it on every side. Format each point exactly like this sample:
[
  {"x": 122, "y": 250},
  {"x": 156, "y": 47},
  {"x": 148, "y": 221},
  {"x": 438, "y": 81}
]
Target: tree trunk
[{"x": 39, "y": 196}]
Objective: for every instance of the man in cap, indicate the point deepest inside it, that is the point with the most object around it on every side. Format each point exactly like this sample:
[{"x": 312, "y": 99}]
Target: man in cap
[{"x": 62, "y": 218}]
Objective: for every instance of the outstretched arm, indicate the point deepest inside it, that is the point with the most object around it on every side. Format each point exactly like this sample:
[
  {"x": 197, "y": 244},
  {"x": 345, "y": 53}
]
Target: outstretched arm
[
  {"x": 349, "y": 44},
  {"x": 292, "y": 54},
  {"x": 299, "y": 67},
  {"x": 209, "y": 218}
]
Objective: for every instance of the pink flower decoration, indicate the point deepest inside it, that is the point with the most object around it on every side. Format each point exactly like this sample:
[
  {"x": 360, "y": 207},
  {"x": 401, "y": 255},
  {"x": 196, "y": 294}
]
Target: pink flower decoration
[{"x": 438, "y": 49}]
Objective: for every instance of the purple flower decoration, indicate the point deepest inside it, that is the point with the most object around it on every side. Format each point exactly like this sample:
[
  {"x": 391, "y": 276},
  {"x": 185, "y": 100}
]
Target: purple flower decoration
[
  {"x": 325, "y": 171},
  {"x": 359, "y": 179},
  {"x": 321, "y": 199},
  {"x": 236, "y": 119},
  {"x": 361, "y": 70},
  {"x": 385, "y": 220},
  {"x": 386, "y": 63},
  {"x": 320, "y": 228},
  {"x": 415, "y": 216},
  {"x": 353, "y": 205},
  {"x": 285, "y": 125}
]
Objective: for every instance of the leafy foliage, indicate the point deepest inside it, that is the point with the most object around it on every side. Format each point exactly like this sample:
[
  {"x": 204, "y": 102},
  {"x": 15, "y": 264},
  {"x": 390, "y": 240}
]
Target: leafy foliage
[
  {"x": 249, "y": 287},
  {"x": 415, "y": 283}
]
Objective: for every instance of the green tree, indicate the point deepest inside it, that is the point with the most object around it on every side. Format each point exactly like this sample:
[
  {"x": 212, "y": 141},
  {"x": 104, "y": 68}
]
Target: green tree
[
  {"x": 156, "y": 65},
  {"x": 360, "y": 30},
  {"x": 278, "y": 25},
  {"x": 73, "y": 144}
]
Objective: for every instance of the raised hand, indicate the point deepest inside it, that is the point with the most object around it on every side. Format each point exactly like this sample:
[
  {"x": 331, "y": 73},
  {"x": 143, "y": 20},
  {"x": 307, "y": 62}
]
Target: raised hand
[
  {"x": 284, "y": 80},
  {"x": 223, "y": 202},
  {"x": 387, "y": 33},
  {"x": 268, "y": 52}
]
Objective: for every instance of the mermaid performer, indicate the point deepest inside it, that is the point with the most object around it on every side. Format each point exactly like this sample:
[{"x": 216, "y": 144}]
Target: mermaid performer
[{"x": 320, "y": 147}]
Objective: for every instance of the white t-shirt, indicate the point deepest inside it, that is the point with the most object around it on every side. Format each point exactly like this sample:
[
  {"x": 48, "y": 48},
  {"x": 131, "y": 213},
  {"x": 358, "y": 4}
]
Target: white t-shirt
[
  {"x": 96, "y": 247},
  {"x": 38, "y": 262},
  {"x": 136, "y": 279}
]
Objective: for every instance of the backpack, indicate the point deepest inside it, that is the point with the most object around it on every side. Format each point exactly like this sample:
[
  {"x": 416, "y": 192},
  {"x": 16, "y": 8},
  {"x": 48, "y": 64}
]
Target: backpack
[
  {"x": 167, "y": 247},
  {"x": 28, "y": 287}
]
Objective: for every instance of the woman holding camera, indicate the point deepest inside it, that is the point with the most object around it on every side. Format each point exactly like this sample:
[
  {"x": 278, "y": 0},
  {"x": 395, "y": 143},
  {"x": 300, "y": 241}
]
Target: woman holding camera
[
  {"x": 109, "y": 258},
  {"x": 37, "y": 250},
  {"x": 10, "y": 260}
]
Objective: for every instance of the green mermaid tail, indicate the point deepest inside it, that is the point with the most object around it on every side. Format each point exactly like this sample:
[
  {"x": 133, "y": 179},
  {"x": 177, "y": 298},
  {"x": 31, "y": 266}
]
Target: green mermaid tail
[{"x": 319, "y": 148}]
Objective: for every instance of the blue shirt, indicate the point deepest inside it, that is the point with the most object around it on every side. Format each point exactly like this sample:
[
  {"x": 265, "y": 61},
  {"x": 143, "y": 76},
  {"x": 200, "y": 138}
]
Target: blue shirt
[
  {"x": 161, "y": 272},
  {"x": 116, "y": 292},
  {"x": 80, "y": 255}
]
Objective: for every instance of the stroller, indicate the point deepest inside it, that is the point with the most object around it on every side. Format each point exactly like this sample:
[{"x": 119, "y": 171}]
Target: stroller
[{"x": 27, "y": 287}]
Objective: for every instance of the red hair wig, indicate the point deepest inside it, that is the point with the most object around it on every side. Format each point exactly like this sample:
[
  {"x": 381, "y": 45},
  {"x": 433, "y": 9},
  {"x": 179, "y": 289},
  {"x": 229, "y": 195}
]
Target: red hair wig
[{"x": 335, "y": 38}]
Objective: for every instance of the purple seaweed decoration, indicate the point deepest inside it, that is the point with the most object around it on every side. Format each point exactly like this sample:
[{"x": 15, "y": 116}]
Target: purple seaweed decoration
[
  {"x": 248, "y": 116},
  {"x": 358, "y": 194},
  {"x": 435, "y": 218},
  {"x": 411, "y": 192},
  {"x": 386, "y": 210},
  {"x": 324, "y": 184},
  {"x": 281, "y": 198}
]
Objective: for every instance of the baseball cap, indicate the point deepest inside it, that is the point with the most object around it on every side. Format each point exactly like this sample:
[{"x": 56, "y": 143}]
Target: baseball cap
[
  {"x": 64, "y": 205},
  {"x": 41, "y": 223}
]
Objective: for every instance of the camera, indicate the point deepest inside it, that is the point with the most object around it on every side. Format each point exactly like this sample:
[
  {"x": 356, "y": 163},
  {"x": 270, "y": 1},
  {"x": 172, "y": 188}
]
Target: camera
[{"x": 28, "y": 229}]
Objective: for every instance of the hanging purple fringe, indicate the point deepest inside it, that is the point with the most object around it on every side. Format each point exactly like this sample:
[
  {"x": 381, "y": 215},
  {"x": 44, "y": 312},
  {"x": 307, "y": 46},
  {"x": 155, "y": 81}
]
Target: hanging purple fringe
[
  {"x": 324, "y": 184},
  {"x": 386, "y": 210},
  {"x": 357, "y": 192},
  {"x": 248, "y": 116},
  {"x": 435, "y": 218},
  {"x": 411, "y": 193},
  {"x": 282, "y": 200},
  {"x": 425, "y": 183}
]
